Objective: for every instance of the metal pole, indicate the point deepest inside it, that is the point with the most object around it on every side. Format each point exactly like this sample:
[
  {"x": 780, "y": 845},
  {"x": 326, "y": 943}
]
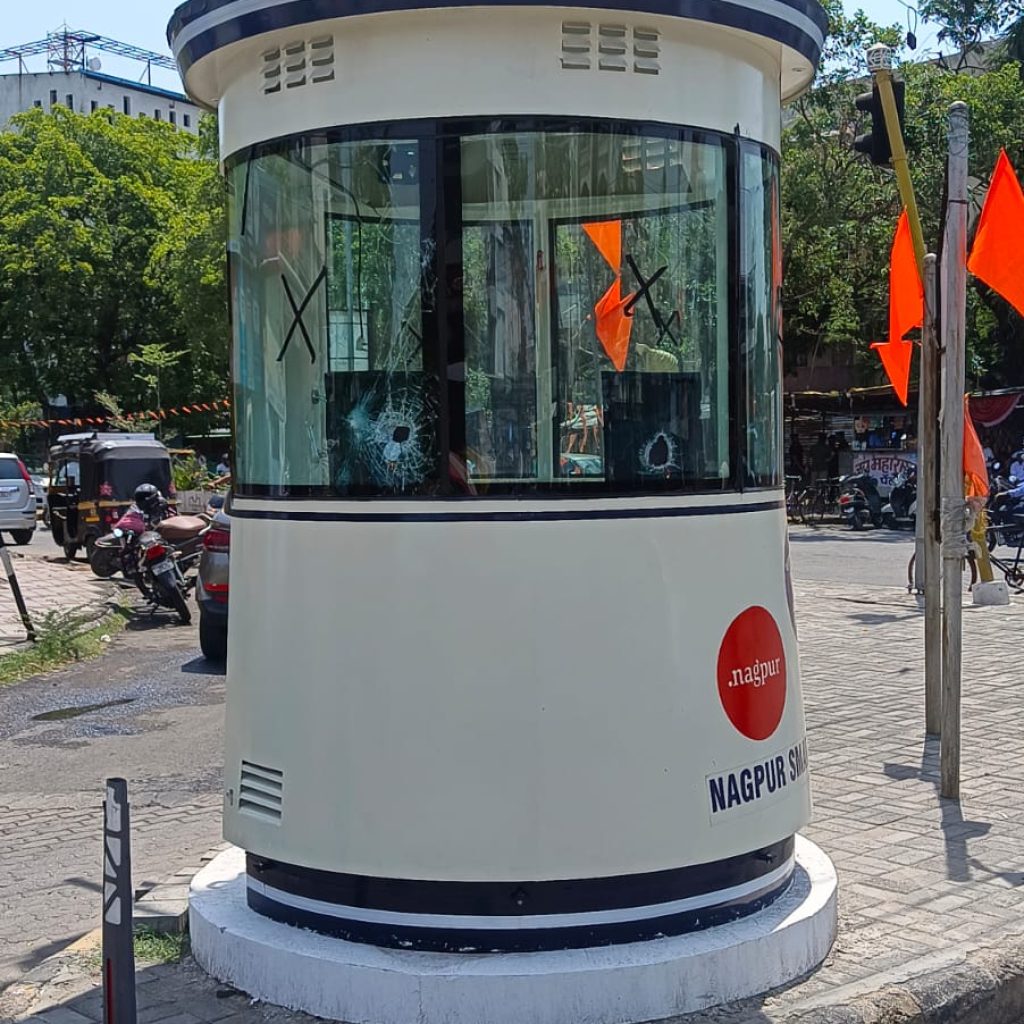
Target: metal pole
[
  {"x": 118, "y": 939},
  {"x": 928, "y": 551},
  {"x": 954, "y": 295},
  {"x": 879, "y": 59},
  {"x": 19, "y": 600}
]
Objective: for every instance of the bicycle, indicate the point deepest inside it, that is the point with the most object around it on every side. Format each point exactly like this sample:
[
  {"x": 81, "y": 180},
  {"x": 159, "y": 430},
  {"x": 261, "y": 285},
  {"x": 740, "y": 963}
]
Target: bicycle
[
  {"x": 820, "y": 501},
  {"x": 1011, "y": 568}
]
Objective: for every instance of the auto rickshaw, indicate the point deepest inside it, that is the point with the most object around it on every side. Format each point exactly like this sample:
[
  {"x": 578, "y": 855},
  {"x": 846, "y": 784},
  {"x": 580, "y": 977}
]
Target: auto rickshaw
[{"x": 93, "y": 477}]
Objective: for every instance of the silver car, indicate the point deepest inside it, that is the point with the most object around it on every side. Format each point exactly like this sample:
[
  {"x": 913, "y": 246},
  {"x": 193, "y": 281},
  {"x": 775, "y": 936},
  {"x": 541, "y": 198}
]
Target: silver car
[{"x": 17, "y": 499}]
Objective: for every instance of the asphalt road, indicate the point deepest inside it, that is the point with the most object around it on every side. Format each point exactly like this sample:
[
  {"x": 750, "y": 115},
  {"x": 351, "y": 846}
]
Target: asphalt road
[
  {"x": 151, "y": 711},
  {"x": 838, "y": 554}
]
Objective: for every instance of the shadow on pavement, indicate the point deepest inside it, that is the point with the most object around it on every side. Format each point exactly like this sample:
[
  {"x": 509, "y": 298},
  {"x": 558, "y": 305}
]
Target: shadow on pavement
[
  {"x": 204, "y": 667},
  {"x": 816, "y": 534},
  {"x": 956, "y": 830}
]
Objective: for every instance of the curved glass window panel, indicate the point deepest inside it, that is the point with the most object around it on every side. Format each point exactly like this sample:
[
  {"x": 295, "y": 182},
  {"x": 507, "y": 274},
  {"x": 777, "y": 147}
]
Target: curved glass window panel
[
  {"x": 760, "y": 335},
  {"x": 501, "y": 307},
  {"x": 595, "y": 309},
  {"x": 330, "y": 385}
]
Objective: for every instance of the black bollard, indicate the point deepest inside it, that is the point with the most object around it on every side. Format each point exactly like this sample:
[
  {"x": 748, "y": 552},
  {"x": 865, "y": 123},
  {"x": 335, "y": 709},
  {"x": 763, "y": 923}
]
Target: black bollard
[
  {"x": 12, "y": 579},
  {"x": 118, "y": 937}
]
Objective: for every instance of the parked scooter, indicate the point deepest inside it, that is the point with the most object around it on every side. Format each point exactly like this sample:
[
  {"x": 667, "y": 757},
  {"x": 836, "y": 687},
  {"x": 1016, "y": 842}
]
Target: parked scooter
[
  {"x": 859, "y": 501},
  {"x": 901, "y": 509}
]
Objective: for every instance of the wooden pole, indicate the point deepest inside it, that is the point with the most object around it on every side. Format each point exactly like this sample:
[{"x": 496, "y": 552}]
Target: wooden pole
[
  {"x": 929, "y": 555},
  {"x": 954, "y": 519}
]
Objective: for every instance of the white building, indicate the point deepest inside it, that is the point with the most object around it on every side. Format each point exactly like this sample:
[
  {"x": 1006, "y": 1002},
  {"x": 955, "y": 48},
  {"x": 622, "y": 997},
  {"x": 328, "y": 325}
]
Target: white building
[{"x": 86, "y": 91}]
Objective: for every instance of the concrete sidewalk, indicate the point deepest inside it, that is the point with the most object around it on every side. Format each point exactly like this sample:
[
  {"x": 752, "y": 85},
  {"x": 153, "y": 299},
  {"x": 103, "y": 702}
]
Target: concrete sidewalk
[
  {"x": 47, "y": 584},
  {"x": 931, "y": 892}
]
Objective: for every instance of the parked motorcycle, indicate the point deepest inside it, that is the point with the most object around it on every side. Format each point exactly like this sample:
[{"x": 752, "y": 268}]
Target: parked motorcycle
[
  {"x": 1005, "y": 516},
  {"x": 154, "y": 550},
  {"x": 901, "y": 509},
  {"x": 859, "y": 501},
  {"x": 161, "y": 578}
]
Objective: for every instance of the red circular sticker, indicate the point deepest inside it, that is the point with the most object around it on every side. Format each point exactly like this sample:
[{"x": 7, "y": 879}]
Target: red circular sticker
[{"x": 752, "y": 673}]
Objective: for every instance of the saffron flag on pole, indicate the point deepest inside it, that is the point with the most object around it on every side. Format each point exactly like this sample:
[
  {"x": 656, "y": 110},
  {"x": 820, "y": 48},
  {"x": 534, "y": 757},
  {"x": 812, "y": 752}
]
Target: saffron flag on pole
[
  {"x": 975, "y": 470},
  {"x": 906, "y": 310},
  {"x": 896, "y": 358},
  {"x": 906, "y": 293},
  {"x": 997, "y": 256}
]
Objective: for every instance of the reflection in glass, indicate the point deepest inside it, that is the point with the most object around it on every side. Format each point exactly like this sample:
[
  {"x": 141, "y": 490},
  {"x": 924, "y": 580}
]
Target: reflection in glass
[
  {"x": 760, "y": 337},
  {"x": 503, "y": 312},
  {"x": 611, "y": 251}
]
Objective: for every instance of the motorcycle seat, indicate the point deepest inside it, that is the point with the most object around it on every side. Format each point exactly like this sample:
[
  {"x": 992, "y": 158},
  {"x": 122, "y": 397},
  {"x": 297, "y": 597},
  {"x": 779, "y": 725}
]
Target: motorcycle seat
[{"x": 181, "y": 528}]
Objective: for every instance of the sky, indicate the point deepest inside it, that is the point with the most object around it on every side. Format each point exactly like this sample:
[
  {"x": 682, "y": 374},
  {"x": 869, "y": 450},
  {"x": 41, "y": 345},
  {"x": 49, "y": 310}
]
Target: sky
[{"x": 144, "y": 23}]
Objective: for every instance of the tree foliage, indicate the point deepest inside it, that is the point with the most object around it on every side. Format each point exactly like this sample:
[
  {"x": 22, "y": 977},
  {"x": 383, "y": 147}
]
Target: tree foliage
[
  {"x": 111, "y": 239},
  {"x": 839, "y": 211}
]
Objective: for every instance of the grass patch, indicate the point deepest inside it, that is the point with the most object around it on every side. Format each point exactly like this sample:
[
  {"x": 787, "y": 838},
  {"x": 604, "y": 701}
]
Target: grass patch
[
  {"x": 156, "y": 948},
  {"x": 62, "y": 638},
  {"x": 150, "y": 948}
]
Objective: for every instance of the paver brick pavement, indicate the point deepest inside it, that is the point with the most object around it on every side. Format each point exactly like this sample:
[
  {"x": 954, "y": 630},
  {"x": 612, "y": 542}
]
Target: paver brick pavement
[
  {"x": 928, "y": 887},
  {"x": 47, "y": 584}
]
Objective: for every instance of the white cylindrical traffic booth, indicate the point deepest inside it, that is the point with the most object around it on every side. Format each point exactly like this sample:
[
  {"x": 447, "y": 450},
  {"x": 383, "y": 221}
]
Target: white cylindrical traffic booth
[{"x": 512, "y": 661}]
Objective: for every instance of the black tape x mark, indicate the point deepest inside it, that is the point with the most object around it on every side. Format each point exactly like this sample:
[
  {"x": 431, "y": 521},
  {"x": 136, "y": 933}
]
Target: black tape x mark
[
  {"x": 297, "y": 312},
  {"x": 664, "y": 326}
]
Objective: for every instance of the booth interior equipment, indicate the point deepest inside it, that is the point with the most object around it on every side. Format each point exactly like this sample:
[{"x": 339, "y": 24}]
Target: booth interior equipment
[{"x": 514, "y": 720}]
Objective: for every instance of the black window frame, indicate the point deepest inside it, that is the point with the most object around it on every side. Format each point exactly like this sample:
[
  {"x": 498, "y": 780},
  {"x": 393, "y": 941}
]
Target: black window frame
[{"x": 439, "y": 140}]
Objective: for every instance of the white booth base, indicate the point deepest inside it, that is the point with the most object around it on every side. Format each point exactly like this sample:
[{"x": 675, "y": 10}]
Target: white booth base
[{"x": 642, "y": 981}]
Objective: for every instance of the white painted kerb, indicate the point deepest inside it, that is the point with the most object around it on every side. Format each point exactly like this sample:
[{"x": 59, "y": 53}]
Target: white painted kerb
[{"x": 642, "y": 981}]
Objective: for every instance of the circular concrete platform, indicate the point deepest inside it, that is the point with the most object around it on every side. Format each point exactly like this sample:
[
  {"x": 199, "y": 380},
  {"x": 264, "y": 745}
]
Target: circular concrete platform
[{"x": 642, "y": 981}]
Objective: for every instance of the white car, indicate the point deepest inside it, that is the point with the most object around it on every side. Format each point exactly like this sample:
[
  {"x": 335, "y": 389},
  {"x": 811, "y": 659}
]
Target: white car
[{"x": 17, "y": 499}]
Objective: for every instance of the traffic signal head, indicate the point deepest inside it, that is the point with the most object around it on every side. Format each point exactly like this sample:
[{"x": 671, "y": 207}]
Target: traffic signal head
[{"x": 876, "y": 142}]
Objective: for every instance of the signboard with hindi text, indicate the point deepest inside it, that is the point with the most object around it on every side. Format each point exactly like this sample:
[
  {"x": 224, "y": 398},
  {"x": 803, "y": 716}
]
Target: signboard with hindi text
[{"x": 884, "y": 465}]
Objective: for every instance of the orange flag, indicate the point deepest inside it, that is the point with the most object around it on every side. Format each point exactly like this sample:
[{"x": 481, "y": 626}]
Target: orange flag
[
  {"x": 613, "y": 326},
  {"x": 975, "y": 470},
  {"x": 997, "y": 257},
  {"x": 906, "y": 310},
  {"x": 906, "y": 293},
  {"x": 607, "y": 236},
  {"x": 896, "y": 358}
]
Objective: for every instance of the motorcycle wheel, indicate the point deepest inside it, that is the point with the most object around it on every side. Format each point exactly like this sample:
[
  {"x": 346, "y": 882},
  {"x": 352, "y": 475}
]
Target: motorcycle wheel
[
  {"x": 70, "y": 550},
  {"x": 104, "y": 562},
  {"x": 180, "y": 605},
  {"x": 174, "y": 597},
  {"x": 857, "y": 520}
]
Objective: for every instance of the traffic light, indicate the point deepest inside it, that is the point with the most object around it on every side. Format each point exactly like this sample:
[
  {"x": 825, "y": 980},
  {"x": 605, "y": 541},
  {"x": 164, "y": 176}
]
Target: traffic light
[{"x": 876, "y": 142}]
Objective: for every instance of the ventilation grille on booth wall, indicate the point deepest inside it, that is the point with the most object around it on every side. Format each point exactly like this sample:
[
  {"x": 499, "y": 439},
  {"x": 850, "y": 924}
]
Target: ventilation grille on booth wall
[
  {"x": 618, "y": 48},
  {"x": 298, "y": 64},
  {"x": 260, "y": 791}
]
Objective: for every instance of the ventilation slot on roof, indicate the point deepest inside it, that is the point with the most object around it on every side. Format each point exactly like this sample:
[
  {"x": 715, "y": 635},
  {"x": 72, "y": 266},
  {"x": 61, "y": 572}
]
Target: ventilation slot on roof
[
  {"x": 297, "y": 64},
  {"x": 576, "y": 45},
  {"x": 646, "y": 51},
  {"x": 271, "y": 71},
  {"x": 321, "y": 59},
  {"x": 260, "y": 792},
  {"x": 611, "y": 45},
  {"x": 619, "y": 47}
]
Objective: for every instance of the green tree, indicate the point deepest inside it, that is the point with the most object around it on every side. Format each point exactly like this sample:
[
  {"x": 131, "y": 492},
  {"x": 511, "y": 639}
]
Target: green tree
[
  {"x": 839, "y": 212},
  {"x": 107, "y": 229}
]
